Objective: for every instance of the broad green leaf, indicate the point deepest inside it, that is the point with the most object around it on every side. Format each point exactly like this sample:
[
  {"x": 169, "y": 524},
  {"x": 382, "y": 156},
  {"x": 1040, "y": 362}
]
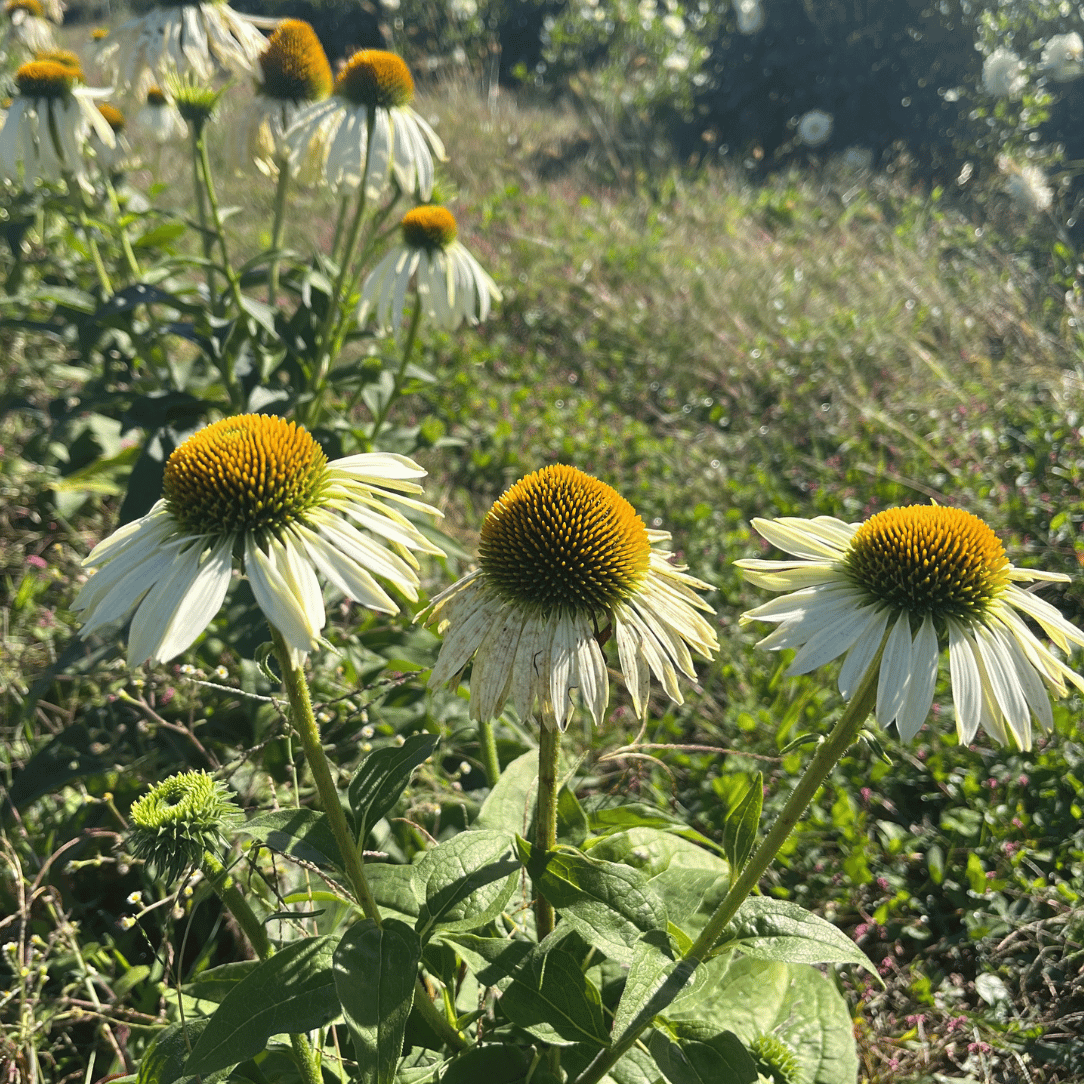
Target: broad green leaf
[
  {"x": 262, "y": 314},
  {"x": 292, "y": 991},
  {"x": 552, "y": 998},
  {"x": 465, "y": 881},
  {"x": 215, "y": 983},
  {"x": 163, "y": 1063},
  {"x": 510, "y": 804},
  {"x": 375, "y": 968},
  {"x": 301, "y": 833},
  {"x": 793, "y": 1002},
  {"x": 160, "y": 235},
  {"x": 494, "y": 960},
  {"x": 393, "y": 888},
  {"x": 721, "y": 1060},
  {"x": 609, "y": 904},
  {"x": 771, "y": 929},
  {"x": 740, "y": 828},
  {"x": 383, "y": 776},
  {"x": 63, "y": 297},
  {"x": 494, "y": 1063},
  {"x": 651, "y": 967}
]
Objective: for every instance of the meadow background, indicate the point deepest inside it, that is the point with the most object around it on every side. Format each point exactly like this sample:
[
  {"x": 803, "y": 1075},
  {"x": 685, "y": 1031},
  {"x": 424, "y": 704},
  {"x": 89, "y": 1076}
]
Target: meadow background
[{"x": 719, "y": 321}]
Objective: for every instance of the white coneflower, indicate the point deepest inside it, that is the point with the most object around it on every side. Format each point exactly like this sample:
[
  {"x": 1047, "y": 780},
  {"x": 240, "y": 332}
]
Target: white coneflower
[
  {"x": 159, "y": 119},
  {"x": 29, "y": 25},
  {"x": 111, "y": 158},
  {"x": 257, "y": 488},
  {"x": 564, "y": 562},
  {"x": 368, "y": 131},
  {"x": 815, "y": 127},
  {"x": 1027, "y": 186},
  {"x": 1062, "y": 57},
  {"x": 749, "y": 15},
  {"x": 183, "y": 39},
  {"x": 895, "y": 591},
  {"x": 294, "y": 72},
  {"x": 45, "y": 132},
  {"x": 1003, "y": 74},
  {"x": 449, "y": 283}
]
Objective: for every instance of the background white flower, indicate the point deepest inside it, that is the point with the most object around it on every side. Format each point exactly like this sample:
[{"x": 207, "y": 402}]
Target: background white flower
[
  {"x": 815, "y": 127},
  {"x": 1003, "y": 74}
]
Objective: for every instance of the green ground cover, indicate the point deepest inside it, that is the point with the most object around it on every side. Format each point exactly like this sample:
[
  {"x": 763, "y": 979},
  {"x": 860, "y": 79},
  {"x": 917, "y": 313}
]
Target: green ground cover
[{"x": 826, "y": 342}]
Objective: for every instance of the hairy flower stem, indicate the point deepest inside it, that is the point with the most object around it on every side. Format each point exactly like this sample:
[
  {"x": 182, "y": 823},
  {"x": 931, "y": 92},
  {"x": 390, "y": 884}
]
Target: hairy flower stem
[
  {"x": 278, "y": 229},
  {"x": 488, "y": 744},
  {"x": 397, "y": 384},
  {"x": 828, "y": 753},
  {"x": 201, "y": 211},
  {"x": 545, "y": 831},
  {"x": 297, "y": 692}
]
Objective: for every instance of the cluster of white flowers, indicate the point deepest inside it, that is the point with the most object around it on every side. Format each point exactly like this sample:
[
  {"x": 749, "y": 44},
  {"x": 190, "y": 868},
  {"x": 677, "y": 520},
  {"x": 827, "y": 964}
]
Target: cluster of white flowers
[
  {"x": 1027, "y": 186},
  {"x": 1063, "y": 57},
  {"x": 1003, "y": 74}
]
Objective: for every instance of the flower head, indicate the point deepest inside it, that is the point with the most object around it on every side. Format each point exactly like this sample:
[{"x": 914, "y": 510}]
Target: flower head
[
  {"x": 367, "y": 131},
  {"x": 897, "y": 589},
  {"x": 45, "y": 132},
  {"x": 183, "y": 38},
  {"x": 564, "y": 561},
  {"x": 815, "y": 127},
  {"x": 1062, "y": 57},
  {"x": 1003, "y": 74},
  {"x": 449, "y": 282},
  {"x": 178, "y": 821},
  {"x": 158, "y": 118},
  {"x": 30, "y": 26},
  {"x": 1027, "y": 186},
  {"x": 259, "y": 489},
  {"x": 111, "y": 158},
  {"x": 294, "y": 72}
]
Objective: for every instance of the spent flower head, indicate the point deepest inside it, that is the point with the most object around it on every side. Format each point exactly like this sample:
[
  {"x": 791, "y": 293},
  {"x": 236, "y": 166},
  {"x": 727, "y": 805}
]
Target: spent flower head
[
  {"x": 896, "y": 590},
  {"x": 257, "y": 489},
  {"x": 565, "y": 562}
]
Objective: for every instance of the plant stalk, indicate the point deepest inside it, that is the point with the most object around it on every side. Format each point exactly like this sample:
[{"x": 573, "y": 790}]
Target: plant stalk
[{"x": 545, "y": 832}]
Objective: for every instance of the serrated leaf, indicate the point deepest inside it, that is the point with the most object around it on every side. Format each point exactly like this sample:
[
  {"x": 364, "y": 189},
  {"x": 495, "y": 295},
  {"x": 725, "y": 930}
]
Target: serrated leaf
[
  {"x": 609, "y": 904},
  {"x": 722, "y": 1060},
  {"x": 465, "y": 882},
  {"x": 770, "y": 929},
  {"x": 740, "y": 827},
  {"x": 375, "y": 969},
  {"x": 383, "y": 776},
  {"x": 292, "y": 991},
  {"x": 302, "y": 833}
]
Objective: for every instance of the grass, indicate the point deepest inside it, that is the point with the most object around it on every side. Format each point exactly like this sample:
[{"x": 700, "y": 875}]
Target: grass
[{"x": 822, "y": 343}]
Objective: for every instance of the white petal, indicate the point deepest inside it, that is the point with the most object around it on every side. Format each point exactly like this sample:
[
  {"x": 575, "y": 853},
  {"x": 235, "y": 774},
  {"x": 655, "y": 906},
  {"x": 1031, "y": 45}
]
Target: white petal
[
  {"x": 817, "y": 539},
  {"x": 152, "y": 619},
  {"x": 895, "y": 672},
  {"x": 633, "y": 666},
  {"x": 491, "y": 675},
  {"x": 278, "y": 597},
  {"x": 924, "y": 655},
  {"x": 201, "y": 602},
  {"x": 997, "y": 659},
  {"x": 863, "y": 652},
  {"x": 966, "y": 683}
]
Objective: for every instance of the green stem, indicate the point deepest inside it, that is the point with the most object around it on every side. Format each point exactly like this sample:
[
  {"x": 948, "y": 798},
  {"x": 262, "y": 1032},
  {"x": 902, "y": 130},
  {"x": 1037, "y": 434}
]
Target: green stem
[
  {"x": 228, "y": 892},
  {"x": 297, "y": 691},
  {"x": 76, "y": 193},
  {"x": 340, "y": 221},
  {"x": 489, "y": 752},
  {"x": 278, "y": 229},
  {"x": 545, "y": 831},
  {"x": 122, "y": 234},
  {"x": 201, "y": 211},
  {"x": 408, "y": 349},
  {"x": 306, "y": 1059},
  {"x": 828, "y": 753}
]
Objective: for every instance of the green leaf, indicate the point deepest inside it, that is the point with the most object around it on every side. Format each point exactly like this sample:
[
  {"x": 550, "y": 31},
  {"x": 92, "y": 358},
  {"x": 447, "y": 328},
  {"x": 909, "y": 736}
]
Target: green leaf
[
  {"x": 63, "y": 297},
  {"x": 393, "y": 888},
  {"x": 163, "y": 1063},
  {"x": 465, "y": 882},
  {"x": 383, "y": 776},
  {"x": 551, "y": 997},
  {"x": 494, "y": 1063},
  {"x": 652, "y": 963},
  {"x": 795, "y": 1003},
  {"x": 300, "y": 833},
  {"x": 721, "y": 1060},
  {"x": 263, "y": 314},
  {"x": 375, "y": 968},
  {"x": 771, "y": 929},
  {"x": 160, "y": 235},
  {"x": 494, "y": 960},
  {"x": 510, "y": 804},
  {"x": 740, "y": 827},
  {"x": 215, "y": 983},
  {"x": 292, "y": 991},
  {"x": 610, "y": 905}
]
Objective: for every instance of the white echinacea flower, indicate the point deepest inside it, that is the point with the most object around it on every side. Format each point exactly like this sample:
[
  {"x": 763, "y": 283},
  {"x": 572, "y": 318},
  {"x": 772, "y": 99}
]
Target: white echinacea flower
[
  {"x": 1003, "y": 74},
  {"x": 257, "y": 490},
  {"x": 1027, "y": 186},
  {"x": 565, "y": 562},
  {"x": 294, "y": 72},
  {"x": 45, "y": 132},
  {"x": 183, "y": 39},
  {"x": 367, "y": 131},
  {"x": 159, "y": 119},
  {"x": 29, "y": 25},
  {"x": 1062, "y": 57},
  {"x": 449, "y": 283},
  {"x": 898, "y": 589}
]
